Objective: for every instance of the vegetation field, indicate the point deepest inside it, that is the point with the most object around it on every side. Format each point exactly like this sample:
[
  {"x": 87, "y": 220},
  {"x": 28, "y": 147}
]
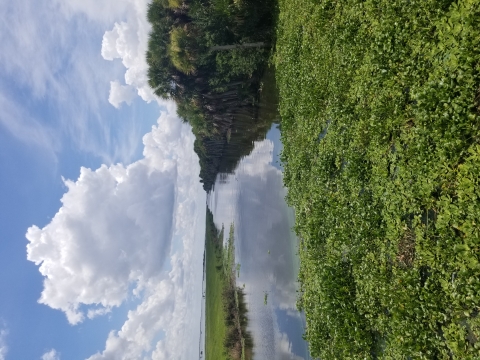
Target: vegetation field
[
  {"x": 215, "y": 328},
  {"x": 226, "y": 313},
  {"x": 380, "y": 124}
]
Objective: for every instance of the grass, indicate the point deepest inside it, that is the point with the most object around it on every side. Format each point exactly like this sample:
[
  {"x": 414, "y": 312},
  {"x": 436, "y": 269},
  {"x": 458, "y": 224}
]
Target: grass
[
  {"x": 380, "y": 124},
  {"x": 226, "y": 312},
  {"x": 215, "y": 328}
]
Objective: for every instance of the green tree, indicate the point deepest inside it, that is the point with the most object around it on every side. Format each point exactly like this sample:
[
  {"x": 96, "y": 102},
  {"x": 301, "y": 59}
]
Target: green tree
[{"x": 209, "y": 56}]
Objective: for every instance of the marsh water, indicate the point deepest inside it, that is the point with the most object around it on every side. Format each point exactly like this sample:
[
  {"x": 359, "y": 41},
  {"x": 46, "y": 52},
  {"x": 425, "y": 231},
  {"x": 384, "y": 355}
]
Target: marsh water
[{"x": 253, "y": 198}]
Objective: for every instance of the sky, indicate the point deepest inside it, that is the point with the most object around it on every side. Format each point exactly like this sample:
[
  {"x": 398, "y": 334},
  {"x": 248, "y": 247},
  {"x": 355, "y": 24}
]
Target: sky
[{"x": 102, "y": 212}]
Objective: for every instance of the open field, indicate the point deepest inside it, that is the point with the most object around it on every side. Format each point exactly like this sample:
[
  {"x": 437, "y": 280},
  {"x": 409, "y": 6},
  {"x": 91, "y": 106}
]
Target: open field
[{"x": 380, "y": 126}]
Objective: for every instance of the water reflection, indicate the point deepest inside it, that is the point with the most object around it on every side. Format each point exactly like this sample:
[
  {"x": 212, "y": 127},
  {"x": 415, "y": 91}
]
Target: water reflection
[{"x": 253, "y": 198}]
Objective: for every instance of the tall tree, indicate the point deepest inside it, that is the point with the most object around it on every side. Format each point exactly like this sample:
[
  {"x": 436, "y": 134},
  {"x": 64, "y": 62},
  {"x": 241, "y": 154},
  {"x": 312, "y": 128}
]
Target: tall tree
[{"x": 209, "y": 55}]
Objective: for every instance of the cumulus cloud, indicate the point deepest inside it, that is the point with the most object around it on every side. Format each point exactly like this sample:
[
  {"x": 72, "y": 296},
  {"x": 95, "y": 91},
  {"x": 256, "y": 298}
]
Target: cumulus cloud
[
  {"x": 143, "y": 324},
  {"x": 128, "y": 38},
  {"x": 113, "y": 228},
  {"x": 171, "y": 301},
  {"x": 120, "y": 43},
  {"x": 164, "y": 309},
  {"x": 3, "y": 342},
  {"x": 130, "y": 227},
  {"x": 120, "y": 93},
  {"x": 51, "y": 355},
  {"x": 122, "y": 230},
  {"x": 128, "y": 41}
]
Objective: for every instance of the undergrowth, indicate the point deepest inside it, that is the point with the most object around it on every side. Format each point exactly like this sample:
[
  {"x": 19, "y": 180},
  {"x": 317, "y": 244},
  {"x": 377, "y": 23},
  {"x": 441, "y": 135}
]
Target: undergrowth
[{"x": 380, "y": 124}]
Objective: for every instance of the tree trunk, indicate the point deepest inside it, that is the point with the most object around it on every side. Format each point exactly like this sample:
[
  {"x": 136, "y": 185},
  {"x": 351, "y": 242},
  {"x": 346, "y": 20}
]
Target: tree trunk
[{"x": 237, "y": 46}]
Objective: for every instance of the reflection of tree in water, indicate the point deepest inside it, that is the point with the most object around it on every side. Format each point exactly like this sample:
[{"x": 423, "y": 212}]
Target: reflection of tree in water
[
  {"x": 218, "y": 155},
  {"x": 267, "y": 258},
  {"x": 221, "y": 153}
]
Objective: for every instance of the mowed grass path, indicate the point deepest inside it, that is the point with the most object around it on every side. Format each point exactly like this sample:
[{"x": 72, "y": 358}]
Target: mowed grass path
[
  {"x": 381, "y": 130},
  {"x": 214, "y": 313}
]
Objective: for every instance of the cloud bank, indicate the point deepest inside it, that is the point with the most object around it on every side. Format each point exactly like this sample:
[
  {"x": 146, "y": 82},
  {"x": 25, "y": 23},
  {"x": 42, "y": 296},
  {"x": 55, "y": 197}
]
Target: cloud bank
[
  {"x": 126, "y": 231},
  {"x": 123, "y": 231}
]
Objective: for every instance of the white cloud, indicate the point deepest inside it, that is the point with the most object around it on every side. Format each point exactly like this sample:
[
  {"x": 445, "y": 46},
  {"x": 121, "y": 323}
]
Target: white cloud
[
  {"x": 51, "y": 66},
  {"x": 112, "y": 229},
  {"x": 171, "y": 301},
  {"x": 3, "y": 342},
  {"x": 122, "y": 227},
  {"x": 93, "y": 313},
  {"x": 128, "y": 41},
  {"x": 51, "y": 355},
  {"x": 153, "y": 315},
  {"x": 120, "y": 93}
]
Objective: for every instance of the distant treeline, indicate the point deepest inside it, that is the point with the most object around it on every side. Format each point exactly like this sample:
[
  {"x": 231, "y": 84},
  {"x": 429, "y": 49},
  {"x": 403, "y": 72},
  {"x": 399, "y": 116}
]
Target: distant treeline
[{"x": 209, "y": 56}]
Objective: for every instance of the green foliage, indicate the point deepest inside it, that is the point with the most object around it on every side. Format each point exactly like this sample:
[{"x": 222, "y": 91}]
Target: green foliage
[
  {"x": 215, "y": 326},
  {"x": 180, "y": 50},
  {"x": 227, "y": 336},
  {"x": 380, "y": 125},
  {"x": 195, "y": 57},
  {"x": 191, "y": 113},
  {"x": 173, "y": 4},
  {"x": 160, "y": 67}
]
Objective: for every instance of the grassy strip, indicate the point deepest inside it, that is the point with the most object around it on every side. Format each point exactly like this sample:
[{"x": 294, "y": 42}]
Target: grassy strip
[
  {"x": 380, "y": 126},
  {"x": 215, "y": 328},
  {"x": 226, "y": 321}
]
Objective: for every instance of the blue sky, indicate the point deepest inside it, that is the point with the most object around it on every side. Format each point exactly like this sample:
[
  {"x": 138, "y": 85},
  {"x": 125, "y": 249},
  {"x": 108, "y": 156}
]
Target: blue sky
[{"x": 102, "y": 178}]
